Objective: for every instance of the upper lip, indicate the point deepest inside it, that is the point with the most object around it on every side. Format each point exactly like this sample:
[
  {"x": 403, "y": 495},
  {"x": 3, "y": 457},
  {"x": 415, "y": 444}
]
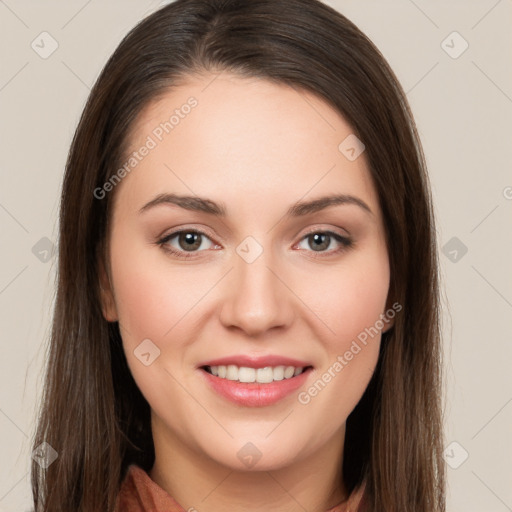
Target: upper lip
[{"x": 256, "y": 361}]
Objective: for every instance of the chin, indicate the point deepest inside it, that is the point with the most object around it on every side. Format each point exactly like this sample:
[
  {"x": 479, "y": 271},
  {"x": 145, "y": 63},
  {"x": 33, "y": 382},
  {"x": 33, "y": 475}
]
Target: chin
[{"x": 258, "y": 454}]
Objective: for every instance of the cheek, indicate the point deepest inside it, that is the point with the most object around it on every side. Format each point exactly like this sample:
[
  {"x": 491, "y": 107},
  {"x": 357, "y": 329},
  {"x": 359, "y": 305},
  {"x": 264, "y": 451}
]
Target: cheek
[
  {"x": 351, "y": 298},
  {"x": 152, "y": 304},
  {"x": 358, "y": 303},
  {"x": 352, "y": 309},
  {"x": 151, "y": 299}
]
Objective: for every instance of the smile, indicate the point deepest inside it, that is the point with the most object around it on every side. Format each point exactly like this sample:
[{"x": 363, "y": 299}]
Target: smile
[
  {"x": 255, "y": 387},
  {"x": 260, "y": 375}
]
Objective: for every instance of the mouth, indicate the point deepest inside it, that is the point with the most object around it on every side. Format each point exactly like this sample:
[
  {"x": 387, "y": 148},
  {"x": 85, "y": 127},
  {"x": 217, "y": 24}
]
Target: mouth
[
  {"x": 254, "y": 387},
  {"x": 246, "y": 374}
]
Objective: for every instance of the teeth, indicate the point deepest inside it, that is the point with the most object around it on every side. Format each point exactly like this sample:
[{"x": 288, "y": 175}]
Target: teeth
[
  {"x": 288, "y": 372},
  {"x": 232, "y": 372},
  {"x": 260, "y": 375},
  {"x": 278, "y": 373}
]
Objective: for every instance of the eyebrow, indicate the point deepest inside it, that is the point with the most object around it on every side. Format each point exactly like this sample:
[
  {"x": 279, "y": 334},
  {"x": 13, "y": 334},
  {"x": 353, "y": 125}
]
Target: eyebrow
[{"x": 299, "y": 209}]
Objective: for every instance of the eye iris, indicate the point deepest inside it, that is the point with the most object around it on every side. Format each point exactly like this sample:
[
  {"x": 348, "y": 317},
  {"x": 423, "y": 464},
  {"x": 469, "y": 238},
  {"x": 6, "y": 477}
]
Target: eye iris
[
  {"x": 318, "y": 243},
  {"x": 192, "y": 241}
]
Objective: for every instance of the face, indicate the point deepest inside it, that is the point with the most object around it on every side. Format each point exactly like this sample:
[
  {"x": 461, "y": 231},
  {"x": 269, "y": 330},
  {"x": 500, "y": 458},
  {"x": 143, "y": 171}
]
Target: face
[{"x": 263, "y": 286}]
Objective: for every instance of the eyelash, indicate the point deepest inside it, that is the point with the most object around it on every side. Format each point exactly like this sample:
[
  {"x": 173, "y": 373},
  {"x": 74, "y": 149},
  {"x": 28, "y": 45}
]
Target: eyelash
[{"x": 346, "y": 243}]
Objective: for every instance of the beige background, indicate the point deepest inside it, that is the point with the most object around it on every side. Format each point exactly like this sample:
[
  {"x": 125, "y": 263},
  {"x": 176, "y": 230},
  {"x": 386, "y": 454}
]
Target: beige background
[{"x": 463, "y": 108}]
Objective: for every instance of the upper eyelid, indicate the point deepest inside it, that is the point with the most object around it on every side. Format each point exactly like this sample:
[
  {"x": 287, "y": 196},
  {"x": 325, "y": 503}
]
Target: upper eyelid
[
  {"x": 171, "y": 235},
  {"x": 313, "y": 230}
]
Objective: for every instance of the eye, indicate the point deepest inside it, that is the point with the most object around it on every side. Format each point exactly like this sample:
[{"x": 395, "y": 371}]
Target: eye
[
  {"x": 322, "y": 240},
  {"x": 188, "y": 241}
]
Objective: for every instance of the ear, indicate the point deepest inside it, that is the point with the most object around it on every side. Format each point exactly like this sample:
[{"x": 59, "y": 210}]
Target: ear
[
  {"x": 390, "y": 322},
  {"x": 108, "y": 304}
]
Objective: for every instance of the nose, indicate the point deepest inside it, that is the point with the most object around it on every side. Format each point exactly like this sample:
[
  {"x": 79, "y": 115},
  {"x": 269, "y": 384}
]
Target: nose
[{"x": 256, "y": 296}]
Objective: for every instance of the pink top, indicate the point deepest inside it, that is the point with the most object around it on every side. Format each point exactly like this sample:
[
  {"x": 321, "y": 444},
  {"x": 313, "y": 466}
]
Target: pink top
[{"x": 141, "y": 494}]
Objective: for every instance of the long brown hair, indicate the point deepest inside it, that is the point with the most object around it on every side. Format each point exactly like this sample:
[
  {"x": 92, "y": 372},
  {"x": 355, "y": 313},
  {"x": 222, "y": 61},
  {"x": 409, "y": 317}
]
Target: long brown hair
[{"x": 92, "y": 412}]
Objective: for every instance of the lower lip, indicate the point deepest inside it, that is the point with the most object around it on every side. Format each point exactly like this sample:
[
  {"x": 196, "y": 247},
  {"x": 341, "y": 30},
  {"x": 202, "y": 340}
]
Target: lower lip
[{"x": 254, "y": 394}]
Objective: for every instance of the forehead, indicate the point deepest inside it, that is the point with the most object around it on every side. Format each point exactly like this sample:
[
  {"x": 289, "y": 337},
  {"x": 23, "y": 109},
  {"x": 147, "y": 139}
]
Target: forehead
[{"x": 242, "y": 139}]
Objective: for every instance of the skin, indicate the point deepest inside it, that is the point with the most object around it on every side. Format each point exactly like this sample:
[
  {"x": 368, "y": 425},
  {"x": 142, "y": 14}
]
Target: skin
[{"x": 257, "y": 148}]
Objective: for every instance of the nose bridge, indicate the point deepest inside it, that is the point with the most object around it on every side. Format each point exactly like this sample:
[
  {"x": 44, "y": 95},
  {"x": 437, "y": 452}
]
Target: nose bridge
[{"x": 257, "y": 299}]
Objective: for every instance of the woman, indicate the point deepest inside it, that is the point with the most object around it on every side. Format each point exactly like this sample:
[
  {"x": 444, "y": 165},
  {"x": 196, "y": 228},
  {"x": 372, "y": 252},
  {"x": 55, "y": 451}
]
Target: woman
[{"x": 247, "y": 303}]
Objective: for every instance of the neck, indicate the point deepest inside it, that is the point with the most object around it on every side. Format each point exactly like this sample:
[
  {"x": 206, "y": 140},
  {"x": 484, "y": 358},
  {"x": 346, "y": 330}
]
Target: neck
[{"x": 197, "y": 482}]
